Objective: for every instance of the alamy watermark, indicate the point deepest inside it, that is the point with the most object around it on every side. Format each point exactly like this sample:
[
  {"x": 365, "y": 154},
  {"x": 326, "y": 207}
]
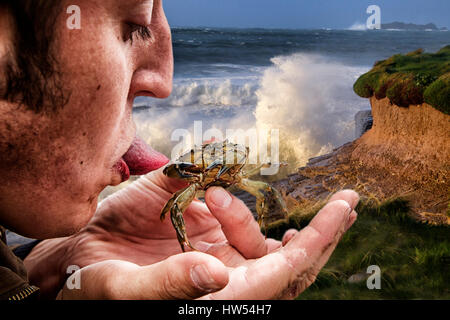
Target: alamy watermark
[
  {"x": 374, "y": 280},
  {"x": 258, "y": 142},
  {"x": 74, "y": 280},
  {"x": 74, "y": 20},
  {"x": 374, "y": 21}
]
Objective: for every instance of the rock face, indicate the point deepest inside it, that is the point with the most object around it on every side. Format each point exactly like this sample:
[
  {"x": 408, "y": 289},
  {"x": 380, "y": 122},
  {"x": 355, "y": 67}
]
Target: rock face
[
  {"x": 405, "y": 154},
  {"x": 321, "y": 177},
  {"x": 363, "y": 122},
  {"x": 413, "y": 142}
]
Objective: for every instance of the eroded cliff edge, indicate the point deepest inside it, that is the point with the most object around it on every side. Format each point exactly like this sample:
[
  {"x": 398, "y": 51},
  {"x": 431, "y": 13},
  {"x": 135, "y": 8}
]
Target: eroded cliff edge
[
  {"x": 412, "y": 143},
  {"x": 406, "y": 154}
]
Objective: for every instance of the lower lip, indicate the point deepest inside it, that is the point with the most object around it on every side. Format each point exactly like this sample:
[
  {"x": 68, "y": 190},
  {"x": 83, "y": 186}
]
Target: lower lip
[{"x": 122, "y": 168}]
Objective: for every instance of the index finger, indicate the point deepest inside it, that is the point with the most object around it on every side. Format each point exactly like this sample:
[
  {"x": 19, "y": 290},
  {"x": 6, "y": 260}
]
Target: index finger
[{"x": 237, "y": 222}]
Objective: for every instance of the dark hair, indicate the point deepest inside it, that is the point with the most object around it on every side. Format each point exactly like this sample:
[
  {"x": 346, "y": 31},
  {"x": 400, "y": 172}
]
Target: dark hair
[{"x": 30, "y": 71}]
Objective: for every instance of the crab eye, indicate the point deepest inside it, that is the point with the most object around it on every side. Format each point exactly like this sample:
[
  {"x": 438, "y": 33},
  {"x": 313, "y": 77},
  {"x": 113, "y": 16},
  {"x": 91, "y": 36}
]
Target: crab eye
[{"x": 184, "y": 166}]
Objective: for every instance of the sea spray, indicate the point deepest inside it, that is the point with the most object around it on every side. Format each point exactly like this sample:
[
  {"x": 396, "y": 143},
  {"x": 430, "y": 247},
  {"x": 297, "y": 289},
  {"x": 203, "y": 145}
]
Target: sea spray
[
  {"x": 309, "y": 99},
  {"x": 219, "y": 71},
  {"x": 215, "y": 92}
]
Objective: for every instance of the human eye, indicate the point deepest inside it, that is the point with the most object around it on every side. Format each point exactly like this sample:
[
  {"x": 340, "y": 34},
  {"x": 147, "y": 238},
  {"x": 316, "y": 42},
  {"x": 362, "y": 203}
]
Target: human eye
[{"x": 135, "y": 32}]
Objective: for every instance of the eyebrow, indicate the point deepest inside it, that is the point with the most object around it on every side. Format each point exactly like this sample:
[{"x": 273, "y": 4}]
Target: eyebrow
[
  {"x": 131, "y": 2},
  {"x": 135, "y": 3},
  {"x": 128, "y": 4}
]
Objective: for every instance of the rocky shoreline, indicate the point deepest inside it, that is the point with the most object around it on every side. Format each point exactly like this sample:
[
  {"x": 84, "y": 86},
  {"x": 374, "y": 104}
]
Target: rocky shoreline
[{"x": 404, "y": 155}]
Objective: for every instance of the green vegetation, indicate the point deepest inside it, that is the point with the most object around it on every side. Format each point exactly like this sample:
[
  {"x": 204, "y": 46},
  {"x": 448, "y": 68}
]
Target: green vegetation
[
  {"x": 410, "y": 79},
  {"x": 414, "y": 258}
]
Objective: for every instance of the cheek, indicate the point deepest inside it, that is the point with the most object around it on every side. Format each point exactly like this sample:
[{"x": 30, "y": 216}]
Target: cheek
[
  {"x": 95, "y": 128},
  {"x": 98, "y": 73}
]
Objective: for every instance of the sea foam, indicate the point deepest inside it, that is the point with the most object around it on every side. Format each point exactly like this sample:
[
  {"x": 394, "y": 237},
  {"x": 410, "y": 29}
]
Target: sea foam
[{"x": 308, "y": 98}]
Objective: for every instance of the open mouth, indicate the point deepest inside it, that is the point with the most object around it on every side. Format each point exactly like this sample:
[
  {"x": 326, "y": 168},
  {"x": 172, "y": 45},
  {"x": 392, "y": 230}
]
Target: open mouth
[{"x": 139, "y": 159}]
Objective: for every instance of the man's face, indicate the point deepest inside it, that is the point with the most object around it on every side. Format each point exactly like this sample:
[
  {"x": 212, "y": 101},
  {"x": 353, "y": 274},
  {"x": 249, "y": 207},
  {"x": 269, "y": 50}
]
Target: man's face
[{"x": 56, "y": 165}]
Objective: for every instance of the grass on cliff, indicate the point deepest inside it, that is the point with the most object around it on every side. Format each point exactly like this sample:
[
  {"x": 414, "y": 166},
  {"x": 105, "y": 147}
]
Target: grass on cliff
[
  {"x": 414, "y": 258},
  {"x": 410, "y": 79}
]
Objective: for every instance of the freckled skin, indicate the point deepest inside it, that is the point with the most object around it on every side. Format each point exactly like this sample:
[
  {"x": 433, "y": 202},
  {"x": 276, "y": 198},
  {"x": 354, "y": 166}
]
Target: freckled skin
[{"x": 53, "y": 166}]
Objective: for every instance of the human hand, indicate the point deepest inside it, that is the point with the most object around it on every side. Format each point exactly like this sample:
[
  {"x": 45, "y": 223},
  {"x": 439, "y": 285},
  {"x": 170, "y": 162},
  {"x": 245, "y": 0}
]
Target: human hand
[
  {"x": 277, "y": 270},
  {"x": 128, "y": 253}
]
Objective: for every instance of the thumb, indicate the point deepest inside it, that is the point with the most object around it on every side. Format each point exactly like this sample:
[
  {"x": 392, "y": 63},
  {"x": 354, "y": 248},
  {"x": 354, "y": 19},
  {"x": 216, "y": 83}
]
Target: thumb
[{"x": 183, "y": 276}]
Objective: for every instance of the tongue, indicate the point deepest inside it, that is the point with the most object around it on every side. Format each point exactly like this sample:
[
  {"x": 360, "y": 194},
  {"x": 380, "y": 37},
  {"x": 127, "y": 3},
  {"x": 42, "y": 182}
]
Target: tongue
[{"x": 142, "y": 159}]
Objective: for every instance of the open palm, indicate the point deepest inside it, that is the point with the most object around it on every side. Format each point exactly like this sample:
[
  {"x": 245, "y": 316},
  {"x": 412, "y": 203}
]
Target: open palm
[{"x": 127, "y": 238}]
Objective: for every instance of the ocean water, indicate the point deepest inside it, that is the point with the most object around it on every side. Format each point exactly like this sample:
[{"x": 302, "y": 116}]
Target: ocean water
[{"x": 298, "y": 82}]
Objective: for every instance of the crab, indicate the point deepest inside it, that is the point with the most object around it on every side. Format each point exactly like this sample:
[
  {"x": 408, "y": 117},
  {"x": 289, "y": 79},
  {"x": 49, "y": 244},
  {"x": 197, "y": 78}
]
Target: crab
[{"x": 216, "y": 164}]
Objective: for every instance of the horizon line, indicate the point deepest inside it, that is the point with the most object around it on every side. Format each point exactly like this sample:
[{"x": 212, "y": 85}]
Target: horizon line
[{"x": 296, "y": 28}]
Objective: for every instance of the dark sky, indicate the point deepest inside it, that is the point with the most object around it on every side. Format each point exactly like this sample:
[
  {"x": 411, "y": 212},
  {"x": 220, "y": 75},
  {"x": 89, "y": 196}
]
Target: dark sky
[{"x": 336, "y": 14}]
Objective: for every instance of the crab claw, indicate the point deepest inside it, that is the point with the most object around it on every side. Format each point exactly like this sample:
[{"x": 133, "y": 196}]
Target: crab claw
[{"x": 176, "y": 206}]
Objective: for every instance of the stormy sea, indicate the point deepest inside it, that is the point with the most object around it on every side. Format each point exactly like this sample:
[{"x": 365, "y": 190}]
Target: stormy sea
[{"x": 299, "y": 82}]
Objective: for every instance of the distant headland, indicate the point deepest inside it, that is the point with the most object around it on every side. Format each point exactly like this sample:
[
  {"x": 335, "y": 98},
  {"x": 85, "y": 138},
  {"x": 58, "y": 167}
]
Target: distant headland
[{"x": 412, "y": 26}]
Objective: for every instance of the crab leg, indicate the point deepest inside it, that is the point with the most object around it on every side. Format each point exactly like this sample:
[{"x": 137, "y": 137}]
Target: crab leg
[
  {"x": 263, "y": 193},
  {"x": 169, "y": 204},
  {"x": 179, "y": 170},
  {"x": 255, "y": 170},
  {"x": 177, "y": 205}
]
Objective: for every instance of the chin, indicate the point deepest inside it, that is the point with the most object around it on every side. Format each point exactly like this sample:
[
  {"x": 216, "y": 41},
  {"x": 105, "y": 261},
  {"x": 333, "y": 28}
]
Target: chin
[{"x": 68, "y": 224}]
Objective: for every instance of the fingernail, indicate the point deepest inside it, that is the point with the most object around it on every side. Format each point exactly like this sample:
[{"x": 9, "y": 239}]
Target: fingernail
[
  {"x": 221, "y": 198},
  {"x": 349, "y": 212},
  {"x": 202, "y": 278},
  {"x": 349, "y": 222},
  {"x": 349, "y": 209}
]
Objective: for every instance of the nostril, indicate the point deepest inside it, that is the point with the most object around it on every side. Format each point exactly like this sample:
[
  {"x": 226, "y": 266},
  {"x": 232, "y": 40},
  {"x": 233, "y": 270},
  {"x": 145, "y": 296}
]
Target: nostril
[
  {"x": 145, "y": 94},
  {"x": 150, "y": 83}
]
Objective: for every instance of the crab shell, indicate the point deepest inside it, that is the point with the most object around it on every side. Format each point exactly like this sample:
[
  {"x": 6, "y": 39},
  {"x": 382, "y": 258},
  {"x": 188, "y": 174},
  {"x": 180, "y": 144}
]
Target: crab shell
[{"x": 213, "y": 164}]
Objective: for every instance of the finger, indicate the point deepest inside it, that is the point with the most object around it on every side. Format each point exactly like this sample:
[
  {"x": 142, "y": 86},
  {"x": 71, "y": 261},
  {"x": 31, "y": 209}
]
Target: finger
[
  {"x": 228, "y": 254},
  {"x": 351, "y": 220},
  {"x": 349, "y": 196},
  {"x": 296, "y": 288},
  {"x": 326, "y": 255},
  {"x": 170, "y": 185},
  {"x": 273, "y": 245},
  {"x": 290, "y": 270},
  {"x": 238, "y": 223},
  {"x": 222, "y": 251},
  {"x": 183, "y": 276},
  {"x": 288, "y": 235},
  {"x": 316, "y": 243}
]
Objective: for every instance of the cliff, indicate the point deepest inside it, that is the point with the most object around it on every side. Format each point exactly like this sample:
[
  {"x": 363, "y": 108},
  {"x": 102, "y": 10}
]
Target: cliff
[
  {"x": 406, "y": 154},
  {"x": 413, "y": 142},
  {"x": 410, "y": 79}
]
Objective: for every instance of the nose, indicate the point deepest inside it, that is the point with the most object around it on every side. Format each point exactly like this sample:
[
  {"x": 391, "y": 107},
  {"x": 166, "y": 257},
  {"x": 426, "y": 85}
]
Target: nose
[{"x": 154, "y": 72}]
